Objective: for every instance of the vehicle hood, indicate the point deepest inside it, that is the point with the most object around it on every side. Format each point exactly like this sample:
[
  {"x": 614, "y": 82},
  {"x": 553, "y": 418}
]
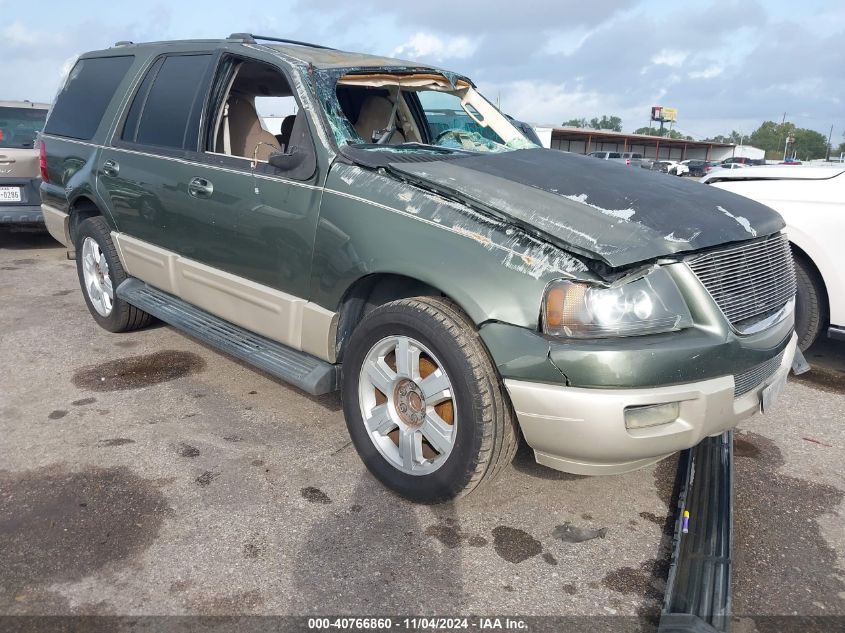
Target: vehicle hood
[{"x": 616, "y": 214}]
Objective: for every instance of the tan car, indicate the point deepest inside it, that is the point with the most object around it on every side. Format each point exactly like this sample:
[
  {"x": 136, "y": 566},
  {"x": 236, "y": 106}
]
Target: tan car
[{"x": 20, "y": 177}]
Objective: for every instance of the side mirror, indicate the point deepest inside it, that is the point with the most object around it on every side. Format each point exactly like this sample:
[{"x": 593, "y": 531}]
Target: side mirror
[{"x": 286, "y": 161}]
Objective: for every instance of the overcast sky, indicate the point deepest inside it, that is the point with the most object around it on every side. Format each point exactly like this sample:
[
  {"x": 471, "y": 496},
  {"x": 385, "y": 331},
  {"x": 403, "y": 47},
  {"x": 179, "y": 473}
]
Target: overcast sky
[{"x": 725, "y": 65}]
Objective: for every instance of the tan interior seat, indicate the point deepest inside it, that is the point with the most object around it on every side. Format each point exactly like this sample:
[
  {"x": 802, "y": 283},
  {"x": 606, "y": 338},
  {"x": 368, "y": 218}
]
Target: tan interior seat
[
  {"x": 245, "y": 131},
  {"x": 284, "y": 133},
  {"x": 375, "y": 115}
]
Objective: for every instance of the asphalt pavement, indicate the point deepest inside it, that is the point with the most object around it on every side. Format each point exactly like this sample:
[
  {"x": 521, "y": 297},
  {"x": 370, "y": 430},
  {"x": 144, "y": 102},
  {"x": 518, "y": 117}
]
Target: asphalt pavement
[{"x": 146, "y": 473}]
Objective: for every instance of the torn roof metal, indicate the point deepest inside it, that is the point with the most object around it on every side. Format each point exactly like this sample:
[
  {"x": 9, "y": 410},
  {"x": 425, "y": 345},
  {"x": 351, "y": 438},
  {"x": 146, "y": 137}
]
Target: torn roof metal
[{"x": 331, "y": 58}]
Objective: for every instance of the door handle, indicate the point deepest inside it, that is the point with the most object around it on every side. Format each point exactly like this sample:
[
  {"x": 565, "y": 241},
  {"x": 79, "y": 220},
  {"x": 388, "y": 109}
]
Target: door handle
[
  {"x": 6, "y": 160},
  {"x": 200, "y": 188},
  {"x": 111, "y": 168}
]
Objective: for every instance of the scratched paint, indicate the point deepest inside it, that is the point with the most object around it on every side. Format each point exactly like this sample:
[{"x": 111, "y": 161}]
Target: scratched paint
[
  {"x": 622, "y": 214},
  {"x": 520, "y": 252},
  {"x": 743, "y": 222}
]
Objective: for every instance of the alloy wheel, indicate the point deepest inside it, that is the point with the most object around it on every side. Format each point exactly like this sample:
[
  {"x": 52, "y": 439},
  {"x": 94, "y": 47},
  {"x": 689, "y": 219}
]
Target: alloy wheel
[
  {"x": 408, "y": 405},
  {"x": 95, "y": 271}
]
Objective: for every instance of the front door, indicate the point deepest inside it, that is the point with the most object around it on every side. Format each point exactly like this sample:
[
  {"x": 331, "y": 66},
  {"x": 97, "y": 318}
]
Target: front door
[{"x": 265, "y": 216}]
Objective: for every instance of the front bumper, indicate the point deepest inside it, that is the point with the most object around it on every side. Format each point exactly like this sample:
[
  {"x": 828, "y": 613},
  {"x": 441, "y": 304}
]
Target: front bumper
[
  {"x": 16, "y": 215},
  {"x": 582, "y": 430}
]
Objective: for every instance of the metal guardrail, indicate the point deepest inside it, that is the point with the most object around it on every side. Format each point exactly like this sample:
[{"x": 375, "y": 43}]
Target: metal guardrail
[{"x": 698, "y": 589}]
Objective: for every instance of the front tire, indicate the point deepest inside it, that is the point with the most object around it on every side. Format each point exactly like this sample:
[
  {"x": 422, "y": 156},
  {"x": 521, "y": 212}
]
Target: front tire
[
  {"x": 810, "y": 304},
  {"x": 424, "y": 404},
  {"x": 100, "y": 273}
]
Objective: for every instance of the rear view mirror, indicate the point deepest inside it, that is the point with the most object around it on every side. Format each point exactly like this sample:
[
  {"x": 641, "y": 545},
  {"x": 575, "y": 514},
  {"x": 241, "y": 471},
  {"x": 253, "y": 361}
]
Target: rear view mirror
[{"x": 286, "y": 161}]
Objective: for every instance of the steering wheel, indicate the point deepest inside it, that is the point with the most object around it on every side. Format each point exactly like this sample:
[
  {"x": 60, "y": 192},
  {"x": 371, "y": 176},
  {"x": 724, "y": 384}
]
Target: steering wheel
[{"x": 457, "y": 134}]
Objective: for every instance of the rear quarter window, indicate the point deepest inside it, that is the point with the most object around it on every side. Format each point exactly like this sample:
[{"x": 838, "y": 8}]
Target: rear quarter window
[{"x": 86, "y": 94}]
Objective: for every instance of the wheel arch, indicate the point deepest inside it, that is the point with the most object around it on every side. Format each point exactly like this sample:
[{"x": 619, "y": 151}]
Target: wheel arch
[
  {"x": 801, "y": 254},
  {"x": 370, "y": 291},
  {"x": 80, "y": 209}
]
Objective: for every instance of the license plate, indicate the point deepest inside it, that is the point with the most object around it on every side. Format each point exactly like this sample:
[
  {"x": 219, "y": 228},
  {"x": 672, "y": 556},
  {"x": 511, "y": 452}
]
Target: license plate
[
  {"x": 772, "y": 392},
  {"x": 10, "y": 194}
]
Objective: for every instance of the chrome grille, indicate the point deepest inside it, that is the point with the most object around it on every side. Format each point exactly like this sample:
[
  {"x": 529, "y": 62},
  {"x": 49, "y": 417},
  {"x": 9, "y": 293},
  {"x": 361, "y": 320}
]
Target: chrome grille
[
  {"x": 756, "y": 376},
  {"x": 749, "y": 282}
]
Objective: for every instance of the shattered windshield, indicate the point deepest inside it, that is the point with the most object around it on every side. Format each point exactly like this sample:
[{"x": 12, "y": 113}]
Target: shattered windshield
[{"x": 405, "y": 111}]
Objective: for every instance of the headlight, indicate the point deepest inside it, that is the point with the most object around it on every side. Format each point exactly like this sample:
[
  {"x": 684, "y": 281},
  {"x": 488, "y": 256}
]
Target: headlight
[{"x": 647, "y": 305}]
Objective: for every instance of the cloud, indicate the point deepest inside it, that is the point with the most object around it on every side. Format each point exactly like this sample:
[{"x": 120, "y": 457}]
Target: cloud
[
  {"x": 474, "y": 16},
  {"x": 544, "y": 102},
  {"x": 19, "y": 35},
  {"x": 667, "y": 57},
  {"x": 723, "y": 64},
  {"x": 707, "y": 73},
  {"x": 431, "y": 47}
]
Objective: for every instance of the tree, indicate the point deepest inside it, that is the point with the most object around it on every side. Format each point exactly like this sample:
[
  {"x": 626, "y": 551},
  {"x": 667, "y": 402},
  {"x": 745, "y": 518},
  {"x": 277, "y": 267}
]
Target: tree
[
  {"x": 667, "y": 133},
  {"x": 734, "y": 137},
  {"x": 809, "y": 144},
  {"x": 771, "y": 137},
  {"x": 575, "y": 123},
  {"x": 606, "y": 122}
]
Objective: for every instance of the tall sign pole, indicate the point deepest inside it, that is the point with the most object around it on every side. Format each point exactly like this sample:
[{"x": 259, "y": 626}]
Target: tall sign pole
[{"x": 829, "y": 136}]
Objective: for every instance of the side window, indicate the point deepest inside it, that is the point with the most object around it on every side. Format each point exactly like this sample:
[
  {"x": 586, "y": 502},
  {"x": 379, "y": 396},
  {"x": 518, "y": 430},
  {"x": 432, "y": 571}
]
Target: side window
[
  {"x": 165, "y": 111},
  {"x": 277, "y": 115},
  {"x": 254, "y": 115},
  {"x": 443, "y": 112},
  {"x": 85, "y": 96}
]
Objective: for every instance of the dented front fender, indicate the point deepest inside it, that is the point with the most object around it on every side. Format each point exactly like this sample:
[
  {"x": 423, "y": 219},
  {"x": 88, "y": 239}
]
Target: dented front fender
[{"x": 370, "y": 223}]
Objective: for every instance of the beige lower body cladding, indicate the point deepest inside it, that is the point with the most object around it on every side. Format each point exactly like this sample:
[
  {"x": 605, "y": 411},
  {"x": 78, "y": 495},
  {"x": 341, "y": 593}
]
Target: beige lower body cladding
[
  {"x": 57, "y": 223},
  {"x": 290, "y": 320}
]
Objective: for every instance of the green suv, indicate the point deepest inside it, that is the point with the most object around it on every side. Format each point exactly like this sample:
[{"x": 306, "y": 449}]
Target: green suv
[{"x": 391, "y": 234}]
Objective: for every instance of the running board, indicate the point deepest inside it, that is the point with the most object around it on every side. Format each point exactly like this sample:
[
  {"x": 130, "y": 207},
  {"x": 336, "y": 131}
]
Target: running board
[
  {"x": 698, "y": 589},
  {"x": 298, "y": 368}
]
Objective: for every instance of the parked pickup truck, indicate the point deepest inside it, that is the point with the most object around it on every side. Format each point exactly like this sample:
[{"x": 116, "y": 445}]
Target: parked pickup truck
[{"x": 401, "y": 241}]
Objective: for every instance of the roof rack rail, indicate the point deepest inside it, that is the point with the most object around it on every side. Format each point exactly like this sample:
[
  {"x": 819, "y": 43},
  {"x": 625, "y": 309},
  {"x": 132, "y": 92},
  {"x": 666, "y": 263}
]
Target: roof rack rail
[
  {"x": 123, "y": 43},
  {"x": 252, "y": 39}
]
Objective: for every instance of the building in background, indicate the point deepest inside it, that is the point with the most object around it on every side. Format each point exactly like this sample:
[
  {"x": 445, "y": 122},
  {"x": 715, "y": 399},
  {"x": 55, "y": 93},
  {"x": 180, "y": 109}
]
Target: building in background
[{"x": 585, "y": 140}]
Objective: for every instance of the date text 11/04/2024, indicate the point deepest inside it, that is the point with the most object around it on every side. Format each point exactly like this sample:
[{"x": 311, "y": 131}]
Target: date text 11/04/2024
[{"x": 418, "y": 623}]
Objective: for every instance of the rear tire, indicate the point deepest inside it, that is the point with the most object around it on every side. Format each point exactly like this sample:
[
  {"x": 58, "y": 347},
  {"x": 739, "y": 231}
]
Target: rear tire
[
  {"x": 480, "y": 436},
  {"x": 810, "y": 304},
  {"x": 100, "y": 273}
]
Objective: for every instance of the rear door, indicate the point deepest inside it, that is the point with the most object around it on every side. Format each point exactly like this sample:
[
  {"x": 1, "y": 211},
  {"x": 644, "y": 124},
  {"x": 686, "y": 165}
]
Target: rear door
[
  {"x": 266, "y": 216},
  {"x": 145, "y": 172}
]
